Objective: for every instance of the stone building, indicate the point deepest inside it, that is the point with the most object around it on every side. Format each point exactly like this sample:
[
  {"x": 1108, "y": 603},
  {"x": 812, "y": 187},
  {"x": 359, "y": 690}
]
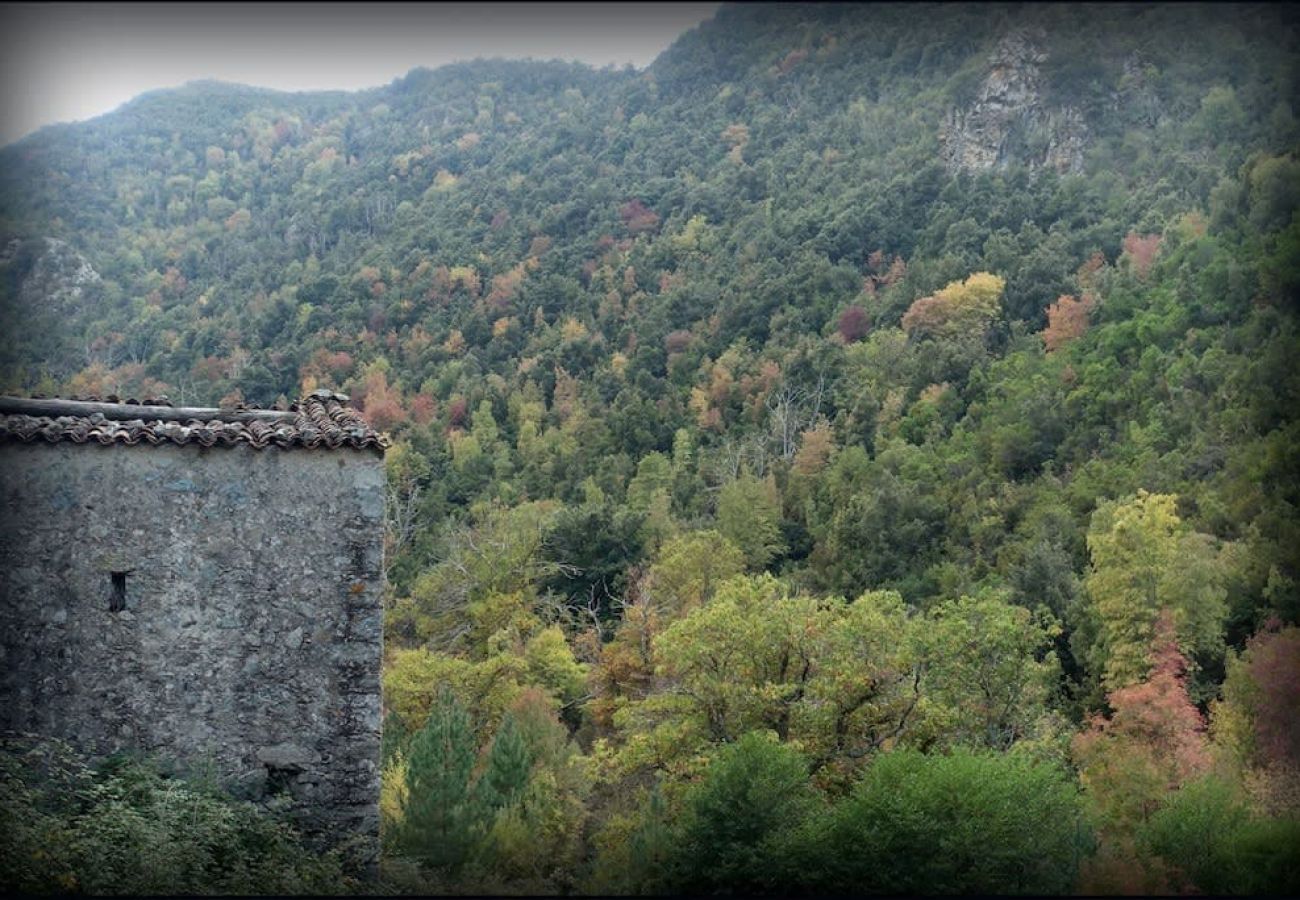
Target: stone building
[{"x": 203, "y": 585}]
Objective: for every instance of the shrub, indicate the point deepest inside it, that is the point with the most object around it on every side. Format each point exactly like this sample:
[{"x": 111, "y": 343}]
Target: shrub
[
  {"x": 969, "y": 822},
  {"x": 124, "y": 828}
]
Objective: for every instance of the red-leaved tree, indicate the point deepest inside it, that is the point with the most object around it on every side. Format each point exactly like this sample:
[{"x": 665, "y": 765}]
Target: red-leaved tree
[
  {"x": 854, "y": 324},
  {"x": 1153, "y": 741},
  {"x": 381, "y": 403},
  {"x": 1141, "y": 250},
  {"x": 1273, "y": 661},
  {"x": 1255, "y": 723},
  {"x": 638, "y": 217}
]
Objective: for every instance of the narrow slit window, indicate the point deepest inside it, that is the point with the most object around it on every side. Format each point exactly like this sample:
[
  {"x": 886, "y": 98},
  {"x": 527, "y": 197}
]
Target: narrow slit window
[
  {"x": 117, "y": 602},
  {"x": 279, "y": 780}
]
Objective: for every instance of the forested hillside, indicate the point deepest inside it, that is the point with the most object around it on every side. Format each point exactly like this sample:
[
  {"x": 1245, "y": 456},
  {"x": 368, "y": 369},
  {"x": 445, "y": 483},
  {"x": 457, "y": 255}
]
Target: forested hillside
[{"x": 860, "y": 408}]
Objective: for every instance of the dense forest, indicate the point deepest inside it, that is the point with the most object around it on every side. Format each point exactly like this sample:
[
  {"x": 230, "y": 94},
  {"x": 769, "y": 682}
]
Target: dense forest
[{"x": 856, "y": 453}]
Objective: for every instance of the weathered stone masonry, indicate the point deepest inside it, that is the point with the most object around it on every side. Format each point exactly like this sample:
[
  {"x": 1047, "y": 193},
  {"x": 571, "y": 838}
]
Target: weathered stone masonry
[{"x": 211, "y": 604}]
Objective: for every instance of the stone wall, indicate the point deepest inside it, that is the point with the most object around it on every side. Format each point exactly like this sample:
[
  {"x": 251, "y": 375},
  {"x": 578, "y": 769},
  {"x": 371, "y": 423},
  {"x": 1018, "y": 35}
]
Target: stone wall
[{"x": 249, "y": 634}]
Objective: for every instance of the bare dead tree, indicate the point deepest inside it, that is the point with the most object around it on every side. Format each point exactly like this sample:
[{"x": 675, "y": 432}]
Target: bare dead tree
[
  {"x": 785, "y": 418},
  {"x": 138, "y": 348},
  {"x": 591, "y": 611},
  {"x": 185, "y": 388},
  {"x": 756, "y": 452},
  {"x": 791, "y": 411},
  {"x": 378, "y": 211},
  {"x": 728, "y": 461},
  {"x": 402, "y": 498}
]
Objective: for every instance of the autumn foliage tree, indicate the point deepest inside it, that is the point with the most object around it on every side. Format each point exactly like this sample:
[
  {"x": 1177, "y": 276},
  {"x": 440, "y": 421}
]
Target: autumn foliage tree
[
  {"x": 685, "y": 572},
  {"x": 1153, "y": 741},
  {"x": 380, "y": 402},
  {"x": 1141, "y": 251},
  {"x": 1254, "y": 723},
  {"x": 962, "y": 307},
  {"x": 637, "y": 217},
  {"x": 1067, "y": 319},
  {"x": 854, "y": 324},
  {"x": 1129, "y": 764}
]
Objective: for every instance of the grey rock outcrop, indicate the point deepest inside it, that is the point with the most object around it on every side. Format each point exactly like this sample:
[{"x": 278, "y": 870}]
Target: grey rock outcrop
[
  {"x": 1135, "y": 98},
  {"x": 58, "y": 276},
  {"x": 1010, "y": 121}
]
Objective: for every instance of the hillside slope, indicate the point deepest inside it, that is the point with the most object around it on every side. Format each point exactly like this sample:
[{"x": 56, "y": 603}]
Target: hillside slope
[{"x": 982, "y": 302}]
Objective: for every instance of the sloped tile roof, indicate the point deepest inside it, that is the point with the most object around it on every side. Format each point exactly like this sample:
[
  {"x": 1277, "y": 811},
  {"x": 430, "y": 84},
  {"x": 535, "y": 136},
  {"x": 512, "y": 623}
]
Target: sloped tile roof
[{"x": 322, "y": 419}]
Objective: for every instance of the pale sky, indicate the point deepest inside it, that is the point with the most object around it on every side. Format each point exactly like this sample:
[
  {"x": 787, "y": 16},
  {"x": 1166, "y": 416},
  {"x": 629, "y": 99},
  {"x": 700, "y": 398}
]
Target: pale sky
[{"x": 62, "y": 62}]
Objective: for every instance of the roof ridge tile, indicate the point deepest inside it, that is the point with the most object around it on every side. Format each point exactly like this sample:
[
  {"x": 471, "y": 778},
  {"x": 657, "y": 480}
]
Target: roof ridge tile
[{"x": 320, "y": 419}]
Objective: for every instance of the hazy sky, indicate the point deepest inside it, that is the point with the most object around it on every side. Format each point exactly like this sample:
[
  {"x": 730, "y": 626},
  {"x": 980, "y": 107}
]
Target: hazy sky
[{"x": 62, "y": 62}]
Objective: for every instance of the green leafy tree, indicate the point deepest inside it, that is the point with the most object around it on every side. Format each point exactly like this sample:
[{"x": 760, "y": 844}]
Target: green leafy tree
[
  {"x": 634, "y": 852},
  {"x": 1218, "y": 845},
  {"x": 689, "y": 568},
  {"x": 749, "y": 516},
  {"x": 884, "y": 521},
  {"x": 988, "y": 670},
  {"x": 962, "y": 823},
  {"x": 653, "y": 475},
  {"x": 500, "y": 553},
  {"x": 782, "y": 161},
  {"x": 839, "y": 678},
  {"x": 123, "y": 827},
  {"x": 736, "y": 820},
  {"x": 590, "y": 550},
  {"x": 1145, "y": 560},
  {"x": 534, "y": 841}
]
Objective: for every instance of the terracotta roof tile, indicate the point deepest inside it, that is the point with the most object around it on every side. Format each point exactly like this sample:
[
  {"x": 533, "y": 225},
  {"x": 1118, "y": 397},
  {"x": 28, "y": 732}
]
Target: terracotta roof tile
[{"x": 321, "y": 419}]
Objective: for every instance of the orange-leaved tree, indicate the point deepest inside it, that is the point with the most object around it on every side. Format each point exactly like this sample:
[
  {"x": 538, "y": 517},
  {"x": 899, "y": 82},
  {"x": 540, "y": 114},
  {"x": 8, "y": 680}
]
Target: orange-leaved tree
[
  {"x": 1067, "y": 319},
  {"x": 1153, "y": 743}
]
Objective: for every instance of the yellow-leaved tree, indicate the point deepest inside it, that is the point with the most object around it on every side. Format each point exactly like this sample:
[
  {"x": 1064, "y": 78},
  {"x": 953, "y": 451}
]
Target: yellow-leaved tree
[
  {"x": 962, "y": 307},
  {"x": 1144, "y": 560}
]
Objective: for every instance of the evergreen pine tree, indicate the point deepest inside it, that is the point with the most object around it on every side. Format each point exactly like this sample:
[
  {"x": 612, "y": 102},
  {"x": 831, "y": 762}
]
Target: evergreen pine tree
[
  {"x": 441, "y": 817},
  {"x": 508, "y": 765},
  {"x": 651, "y": 846}
]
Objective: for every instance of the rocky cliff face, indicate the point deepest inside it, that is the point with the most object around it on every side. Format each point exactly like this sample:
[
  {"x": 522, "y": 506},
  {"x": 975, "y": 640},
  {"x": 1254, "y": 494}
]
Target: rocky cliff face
[
  {"x": 1009, "y": 122},
  {"x": 1135, "y": 98},
  {"x": 52, "y": 275},
  {"x": 47, "y": 288}
]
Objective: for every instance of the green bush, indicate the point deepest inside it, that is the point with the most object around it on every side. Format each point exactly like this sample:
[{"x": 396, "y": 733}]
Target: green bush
[
  {"x": 1208, "y": 832},
  {"x": 969, "y": 822},
  {"x": 124, "y": 828},
  {"x": 738, "y": 818}
]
